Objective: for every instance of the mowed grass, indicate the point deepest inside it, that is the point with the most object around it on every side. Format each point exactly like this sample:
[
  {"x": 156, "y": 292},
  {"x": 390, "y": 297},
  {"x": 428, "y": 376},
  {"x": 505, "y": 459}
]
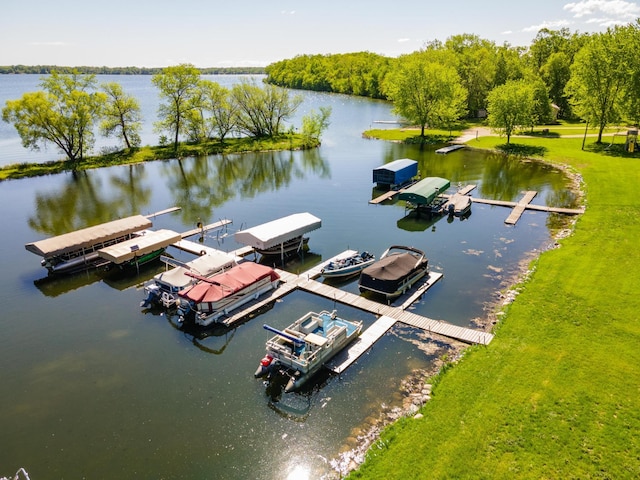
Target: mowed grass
[{"x": 556, "y": 395}]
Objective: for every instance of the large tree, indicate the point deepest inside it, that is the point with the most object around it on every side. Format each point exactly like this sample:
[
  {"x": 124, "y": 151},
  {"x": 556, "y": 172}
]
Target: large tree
[
  {"x": 63, "y": 114},
  {"x": 425, "y": 91},
  {"x": 121, "y": 115},
  {"x": 176, "y": 85},
  {"x": 511, "y": 106},
  {"x": 475, "y": 60},
  {"x": 211, "y": 113},
  {"x": 556, "y": 72},
  {"x": 600, "y": 74},
  {"x": 262, "y": 112}
]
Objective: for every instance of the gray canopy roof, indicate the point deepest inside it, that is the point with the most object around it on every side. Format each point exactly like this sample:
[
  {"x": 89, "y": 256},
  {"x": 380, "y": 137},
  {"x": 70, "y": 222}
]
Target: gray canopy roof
[{"x": 88, "y": 237}]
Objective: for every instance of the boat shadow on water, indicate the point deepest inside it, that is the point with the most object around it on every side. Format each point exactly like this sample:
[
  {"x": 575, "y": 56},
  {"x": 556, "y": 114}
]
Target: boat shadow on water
[{"x": 296, "y": 405}]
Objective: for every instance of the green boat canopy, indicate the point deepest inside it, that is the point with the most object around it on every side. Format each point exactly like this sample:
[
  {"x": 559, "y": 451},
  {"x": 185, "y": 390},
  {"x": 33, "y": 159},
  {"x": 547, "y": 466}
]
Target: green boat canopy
[{"x": 425, "y": 191}]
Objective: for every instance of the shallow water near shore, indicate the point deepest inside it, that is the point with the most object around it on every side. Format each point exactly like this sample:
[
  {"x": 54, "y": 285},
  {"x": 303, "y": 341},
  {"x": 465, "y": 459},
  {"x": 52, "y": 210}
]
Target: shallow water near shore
[{"x": 97, "y": 387}]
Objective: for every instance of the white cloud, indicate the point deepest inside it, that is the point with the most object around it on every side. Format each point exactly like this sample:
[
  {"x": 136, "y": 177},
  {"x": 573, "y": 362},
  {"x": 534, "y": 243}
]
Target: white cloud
[
  {"x": 550, "y": 25},
  {"x": 288, "y": 12},
  {"x": 611, "y": 8},
  {"x": 507, "y": 32},
  {"x": 404, "y": 40}
]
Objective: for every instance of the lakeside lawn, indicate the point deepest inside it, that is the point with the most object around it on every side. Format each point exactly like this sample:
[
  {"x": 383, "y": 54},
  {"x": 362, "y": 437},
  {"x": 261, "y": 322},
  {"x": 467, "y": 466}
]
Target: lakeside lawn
[
  {"x": 148, "y": 154},
  {"x": 557, "y": 392}
]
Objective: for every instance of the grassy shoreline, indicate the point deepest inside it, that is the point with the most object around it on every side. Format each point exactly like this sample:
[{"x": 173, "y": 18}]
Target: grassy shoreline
[
  {"x": 556, "y": 394},
  {"x": 148, "y": 154}
]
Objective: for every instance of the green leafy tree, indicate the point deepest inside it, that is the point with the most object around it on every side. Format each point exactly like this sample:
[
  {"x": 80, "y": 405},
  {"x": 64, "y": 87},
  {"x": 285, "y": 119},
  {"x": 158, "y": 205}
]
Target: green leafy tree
[
  {"x": 475, "y": 61},
  {"x": 556, "y": 73},
  {"x": 632, "y": 97},
  {"x": 511, "y": 106},
  {"x": 600, "y": 75},
  {"x": 176, "y": 85},
  {"x": 121, "y": 116},
  {"x": 211, "y": 113},
  {"x": 314, "y": 124},
  {"x": 262, "y": 112},
  {"x": 63, "y": 114},
  {"x": 542, "y": 112},
  {"x": 425, "y": 91}
]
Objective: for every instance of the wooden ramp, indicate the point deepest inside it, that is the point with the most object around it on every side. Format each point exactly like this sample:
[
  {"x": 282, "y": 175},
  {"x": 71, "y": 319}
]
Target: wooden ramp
[{"x": 371, "y": 335}]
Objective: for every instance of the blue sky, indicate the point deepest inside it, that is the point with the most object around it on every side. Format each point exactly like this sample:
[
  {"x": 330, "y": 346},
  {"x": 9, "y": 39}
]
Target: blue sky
[{"x": 212, "y": 33}]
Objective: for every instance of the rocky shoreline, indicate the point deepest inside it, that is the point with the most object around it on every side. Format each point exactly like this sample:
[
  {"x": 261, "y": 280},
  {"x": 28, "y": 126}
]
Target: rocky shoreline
[{"x": 415, "y": 390}]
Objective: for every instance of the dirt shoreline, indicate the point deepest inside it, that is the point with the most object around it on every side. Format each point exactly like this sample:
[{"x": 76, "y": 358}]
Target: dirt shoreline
[{"x": 416, "y": 388}]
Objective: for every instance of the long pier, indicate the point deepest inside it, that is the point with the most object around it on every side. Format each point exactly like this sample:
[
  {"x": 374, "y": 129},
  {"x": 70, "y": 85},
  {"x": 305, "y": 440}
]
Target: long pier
[{"x": 518, "y": 207}]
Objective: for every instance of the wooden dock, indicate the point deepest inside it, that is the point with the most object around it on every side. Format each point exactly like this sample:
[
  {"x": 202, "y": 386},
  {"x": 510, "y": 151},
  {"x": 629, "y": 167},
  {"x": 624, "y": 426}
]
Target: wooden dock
[
  {"x": 390, "y": 194},
  {"x": 385, "y": 196},
  {"x": 524, "y": 204},
  {"x": 205, "y": 228},
  {"x": 361, "y": 345},
  {"x": 520, "y": 207},
  {"x": 387, "y": 315},
  {"x": 163, "y": 212},
  {"x": 450, "y": 148}
]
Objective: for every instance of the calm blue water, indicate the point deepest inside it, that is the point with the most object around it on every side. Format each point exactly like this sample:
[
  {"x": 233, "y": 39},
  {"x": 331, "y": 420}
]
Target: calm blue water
[{"x": 94, "y": 387}]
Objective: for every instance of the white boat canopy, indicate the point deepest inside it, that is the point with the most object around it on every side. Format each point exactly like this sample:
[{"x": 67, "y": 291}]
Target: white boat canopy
[
  {"x": 150, "y": 241},
  {"x": 88, "y": 237},
  {"x": 277, "y": 232}
]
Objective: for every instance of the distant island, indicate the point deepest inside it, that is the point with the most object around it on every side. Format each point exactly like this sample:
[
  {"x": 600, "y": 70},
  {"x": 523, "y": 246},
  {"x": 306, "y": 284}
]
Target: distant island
[{"x": 47, "y": 69}]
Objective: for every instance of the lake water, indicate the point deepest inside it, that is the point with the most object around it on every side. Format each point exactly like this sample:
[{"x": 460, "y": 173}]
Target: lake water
[{"x": 95, "y": 387}]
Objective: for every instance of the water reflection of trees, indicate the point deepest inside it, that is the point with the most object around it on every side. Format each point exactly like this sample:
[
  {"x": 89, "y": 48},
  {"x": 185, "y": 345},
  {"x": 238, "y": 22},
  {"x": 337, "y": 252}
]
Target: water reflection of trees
[
  {"x": 201, "y": 184},
  {"x": 82, "y": 200},
  {"x": 198, "y": 185}
]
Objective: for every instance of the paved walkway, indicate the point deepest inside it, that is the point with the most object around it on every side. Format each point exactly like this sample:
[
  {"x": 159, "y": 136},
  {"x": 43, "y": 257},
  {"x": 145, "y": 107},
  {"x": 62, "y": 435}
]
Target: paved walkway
[{"x": 473, "y": 133}]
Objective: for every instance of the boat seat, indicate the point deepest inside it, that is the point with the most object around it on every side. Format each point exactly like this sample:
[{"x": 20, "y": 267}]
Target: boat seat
[{"x": 310, "y": 325}]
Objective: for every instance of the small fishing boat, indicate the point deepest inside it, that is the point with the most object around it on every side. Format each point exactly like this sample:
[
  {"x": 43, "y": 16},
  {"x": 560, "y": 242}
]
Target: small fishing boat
[
  {"x": 347, "y": 266},
  {"x": 397, "y": 270},
  {"x": 301, "y": 349},
  {"x": 457, "y": 205},
  {"x": 213, "y": 297}
]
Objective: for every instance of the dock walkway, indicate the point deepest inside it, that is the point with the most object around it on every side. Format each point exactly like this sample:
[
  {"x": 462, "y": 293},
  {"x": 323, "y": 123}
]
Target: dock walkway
[{"x": 388, "y": 315}]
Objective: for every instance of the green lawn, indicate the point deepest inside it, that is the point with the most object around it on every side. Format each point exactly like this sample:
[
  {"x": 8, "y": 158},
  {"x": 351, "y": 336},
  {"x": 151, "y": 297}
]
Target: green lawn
[{"x": 557, "y": 392}]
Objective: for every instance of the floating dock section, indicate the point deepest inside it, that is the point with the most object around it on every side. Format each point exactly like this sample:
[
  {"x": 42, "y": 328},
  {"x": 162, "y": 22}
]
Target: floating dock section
[{"x": 449, "y": 149}]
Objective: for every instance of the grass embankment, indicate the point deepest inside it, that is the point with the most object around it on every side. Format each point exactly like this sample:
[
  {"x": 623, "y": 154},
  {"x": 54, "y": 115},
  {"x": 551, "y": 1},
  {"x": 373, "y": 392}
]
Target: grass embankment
[
  {"x": 147, "y": 154},
  {"x": 557, "y": 392},
  {"x": 412, "y": 135}
]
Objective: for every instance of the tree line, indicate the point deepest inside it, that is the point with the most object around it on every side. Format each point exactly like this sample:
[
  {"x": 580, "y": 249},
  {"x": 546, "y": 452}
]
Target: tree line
[
  {"x": 69, "y": 107},
  {"x": 592, "y": 77},
  {"x": 48, "y": 69}
]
